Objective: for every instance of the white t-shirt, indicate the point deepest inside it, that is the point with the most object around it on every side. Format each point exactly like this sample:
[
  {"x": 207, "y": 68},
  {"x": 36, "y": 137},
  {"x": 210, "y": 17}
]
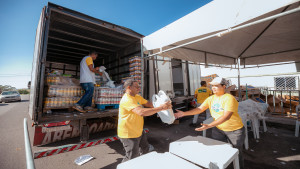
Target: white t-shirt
[{"x": 86, "y": 76}]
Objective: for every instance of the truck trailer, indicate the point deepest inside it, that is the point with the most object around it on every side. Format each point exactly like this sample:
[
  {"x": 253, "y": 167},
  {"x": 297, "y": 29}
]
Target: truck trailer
[{"x": 63, "y": 38}]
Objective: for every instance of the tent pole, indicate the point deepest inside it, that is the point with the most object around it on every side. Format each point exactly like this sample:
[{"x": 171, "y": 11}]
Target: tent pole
[
  {"x": 239, "y": 84},
  {"x": 142, "y": 76}
]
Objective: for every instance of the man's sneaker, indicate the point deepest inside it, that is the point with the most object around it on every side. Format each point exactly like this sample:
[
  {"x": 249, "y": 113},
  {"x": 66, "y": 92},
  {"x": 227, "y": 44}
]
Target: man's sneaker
[
  {"x": 193, "y": 125},
  {"x": 90, "y": 109},
  {"x": 78, "y": 108},
  {"x": 151, "y": 148}
]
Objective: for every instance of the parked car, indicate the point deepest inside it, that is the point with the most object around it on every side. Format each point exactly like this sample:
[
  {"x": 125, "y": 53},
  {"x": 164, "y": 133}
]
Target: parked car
[{"x": 7, "y": 96}]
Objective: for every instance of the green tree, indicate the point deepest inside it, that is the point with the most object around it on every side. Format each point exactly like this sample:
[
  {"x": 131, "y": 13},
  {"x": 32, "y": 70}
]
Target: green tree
[
  {"x": 23, "y": 91},
  {"x": 7, "y": 88}
]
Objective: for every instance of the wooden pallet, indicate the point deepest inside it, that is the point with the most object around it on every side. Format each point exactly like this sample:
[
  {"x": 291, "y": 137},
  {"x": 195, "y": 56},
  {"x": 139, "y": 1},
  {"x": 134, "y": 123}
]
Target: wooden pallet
[
  {"x": 68, "y": 109},
  {"x": 107, "y": 106}
]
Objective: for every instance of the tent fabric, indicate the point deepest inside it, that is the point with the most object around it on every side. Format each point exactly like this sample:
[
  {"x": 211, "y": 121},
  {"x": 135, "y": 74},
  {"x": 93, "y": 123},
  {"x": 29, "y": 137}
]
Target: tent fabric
[{"x": 272, "y": 41}]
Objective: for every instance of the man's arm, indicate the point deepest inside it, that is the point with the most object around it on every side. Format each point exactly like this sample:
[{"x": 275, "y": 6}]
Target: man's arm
[
  {"x": 226, "y": 116},
  {"x": 95, "y": 70},
  {"x": 148, "y": 104},
  {"x": 150, "y": 111},
  {"x": 197, "y": 110}
]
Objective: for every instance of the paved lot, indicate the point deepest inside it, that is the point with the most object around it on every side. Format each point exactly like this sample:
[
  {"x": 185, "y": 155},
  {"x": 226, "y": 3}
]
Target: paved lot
[
  {"x": 278, "y": 148},
  {"x": 11, "y": 131}
]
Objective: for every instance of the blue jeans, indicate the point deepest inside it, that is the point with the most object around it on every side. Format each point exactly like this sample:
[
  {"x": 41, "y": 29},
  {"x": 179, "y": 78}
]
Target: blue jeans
[{"x": 87, "y": 98}]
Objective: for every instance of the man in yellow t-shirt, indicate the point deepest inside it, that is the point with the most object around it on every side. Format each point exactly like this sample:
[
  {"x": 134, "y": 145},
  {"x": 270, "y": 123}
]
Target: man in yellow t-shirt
[
  {"x": 227, "y": 124},
  {"x": 201, "y": 94},
  {"x": 131, "y": 120}
]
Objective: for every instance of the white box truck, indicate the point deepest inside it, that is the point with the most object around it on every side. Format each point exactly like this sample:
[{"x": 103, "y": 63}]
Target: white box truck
[{"x": 63, "y": 38}]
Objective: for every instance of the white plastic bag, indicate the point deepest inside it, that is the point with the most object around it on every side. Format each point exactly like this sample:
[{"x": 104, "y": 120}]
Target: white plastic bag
[
  {"x": 106, "y": 77},
  {"x": 166, "y": 116},
  {"x": 102, "y": 69}
]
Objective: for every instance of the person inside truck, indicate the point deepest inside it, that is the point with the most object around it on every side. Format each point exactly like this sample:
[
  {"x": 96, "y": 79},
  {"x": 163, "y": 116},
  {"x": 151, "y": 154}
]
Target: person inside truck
[
  {"x": 87, "y": 81},
  {"x": 133, "y": 108},
  {"x": 227, "y": 125},
  {"x": 201, "y": 94}
]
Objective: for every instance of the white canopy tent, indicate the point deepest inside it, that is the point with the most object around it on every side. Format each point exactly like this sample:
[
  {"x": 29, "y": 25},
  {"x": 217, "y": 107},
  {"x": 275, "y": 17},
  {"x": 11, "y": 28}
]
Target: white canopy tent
[
  {"x": 232, "y": 33},
  {"x": 223, "y": 31}
]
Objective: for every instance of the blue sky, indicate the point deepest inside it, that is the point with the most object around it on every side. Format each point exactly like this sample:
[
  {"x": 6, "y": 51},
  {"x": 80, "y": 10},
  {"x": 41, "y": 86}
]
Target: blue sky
[{"x": 19, "y": 19}]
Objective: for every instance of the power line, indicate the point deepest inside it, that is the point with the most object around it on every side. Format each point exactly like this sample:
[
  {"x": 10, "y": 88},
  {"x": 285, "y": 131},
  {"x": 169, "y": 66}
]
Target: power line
[{"x": 13, "y": 75}]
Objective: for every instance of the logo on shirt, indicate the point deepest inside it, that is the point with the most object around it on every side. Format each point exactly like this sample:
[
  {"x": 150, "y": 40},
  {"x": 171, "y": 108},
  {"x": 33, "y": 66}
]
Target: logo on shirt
[
  {"x": 217, "y": 107},
  {"x": 202, "y": 91}
]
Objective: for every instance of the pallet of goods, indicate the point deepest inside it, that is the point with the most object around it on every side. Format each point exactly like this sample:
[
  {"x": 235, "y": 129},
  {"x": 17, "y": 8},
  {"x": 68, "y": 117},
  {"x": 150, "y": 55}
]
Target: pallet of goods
[
  {"x": 62, "y": 92},
  {"x": 106, "y": 98}
]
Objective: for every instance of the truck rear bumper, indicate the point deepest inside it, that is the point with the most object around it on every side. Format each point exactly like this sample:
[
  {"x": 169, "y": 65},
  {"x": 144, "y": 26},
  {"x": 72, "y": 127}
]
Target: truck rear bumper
[{"x": 58, "y": 117}]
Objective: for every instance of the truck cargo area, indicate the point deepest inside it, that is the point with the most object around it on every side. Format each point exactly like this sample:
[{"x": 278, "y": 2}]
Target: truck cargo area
[{"x": 68, "y": 37}]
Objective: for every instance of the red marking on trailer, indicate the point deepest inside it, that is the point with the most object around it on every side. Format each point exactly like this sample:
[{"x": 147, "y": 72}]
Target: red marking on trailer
[
  {"x": 107, "y": 140},
  {"x": 71, "y": 149},
  {"x": 98, "y": 142},
  {"x": 46, "y": 133},
  {"x": 67, "y": 148},
  {"x": 53, "y": 151},
  {"x": 82, "y": 145},
  {"x": 41, "y": 154},
  {"x": 90, "y": 144},
  {"x": 62, "y": 150}
]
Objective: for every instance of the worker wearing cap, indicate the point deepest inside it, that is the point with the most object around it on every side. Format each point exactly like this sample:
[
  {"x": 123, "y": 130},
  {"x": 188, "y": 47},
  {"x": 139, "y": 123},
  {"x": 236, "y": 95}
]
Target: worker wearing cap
[
  {"x": 201, "y": 94},
  {"x": 227, "y": 125}
]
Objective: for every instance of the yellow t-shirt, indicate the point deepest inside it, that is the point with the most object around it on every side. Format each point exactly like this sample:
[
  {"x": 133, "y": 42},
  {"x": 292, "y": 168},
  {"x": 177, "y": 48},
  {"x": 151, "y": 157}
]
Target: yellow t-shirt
[
  {"x": 202, "y": 94},
  {"x": 130, "y": 124},
  {"x": 217, "y": 106},
  {"x": 89, "y": 61}
]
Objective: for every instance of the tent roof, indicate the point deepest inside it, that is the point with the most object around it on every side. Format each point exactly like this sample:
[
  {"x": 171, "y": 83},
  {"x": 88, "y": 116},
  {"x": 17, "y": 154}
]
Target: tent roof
[{"x": 276, "y": 40}]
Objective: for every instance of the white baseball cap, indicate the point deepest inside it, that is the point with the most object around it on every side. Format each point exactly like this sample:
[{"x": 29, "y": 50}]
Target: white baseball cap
[{"x": 218, "y": 80}]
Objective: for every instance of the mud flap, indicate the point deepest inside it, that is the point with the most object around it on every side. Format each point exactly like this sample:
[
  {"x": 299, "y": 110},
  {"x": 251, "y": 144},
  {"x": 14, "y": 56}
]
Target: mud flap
[{"x": 84, "y": 131}]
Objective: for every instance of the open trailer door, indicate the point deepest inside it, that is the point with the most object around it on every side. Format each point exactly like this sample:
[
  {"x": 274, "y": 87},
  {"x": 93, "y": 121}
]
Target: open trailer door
[
  {"x": 36, "y": 63},
  {"x": 164, "y": 75}
]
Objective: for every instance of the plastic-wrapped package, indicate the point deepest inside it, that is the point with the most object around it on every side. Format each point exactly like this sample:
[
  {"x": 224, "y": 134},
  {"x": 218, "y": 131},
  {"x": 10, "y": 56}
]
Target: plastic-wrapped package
[
  {"x": 60, "y": 102},
  {"x": 60, "y": 80},
  {"x": 166, "y": 116},
  {"x": 83, "y": 159},
  {"x": 64, "y": 91},
  {"x": 105, "y": 95},
  {"x": 135, "y": 59}
]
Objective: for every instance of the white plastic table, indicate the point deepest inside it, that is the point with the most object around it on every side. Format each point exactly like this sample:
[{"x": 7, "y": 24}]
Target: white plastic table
[
  {"x": 154, "y": 160},
  {"x": 205, "y": 152}
]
